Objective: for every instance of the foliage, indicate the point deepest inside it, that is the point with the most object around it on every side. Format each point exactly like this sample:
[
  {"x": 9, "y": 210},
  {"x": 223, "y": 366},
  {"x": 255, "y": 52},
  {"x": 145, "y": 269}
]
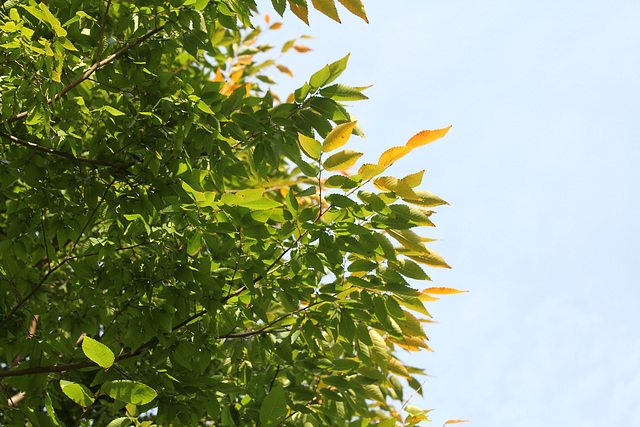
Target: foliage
[{"x": 169, "y": 251}]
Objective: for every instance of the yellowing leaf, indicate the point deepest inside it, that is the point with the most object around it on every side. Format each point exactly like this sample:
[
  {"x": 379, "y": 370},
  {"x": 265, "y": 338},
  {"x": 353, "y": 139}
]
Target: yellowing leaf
[
  {"x": 426, "y": 136},
  {"x": 388, "y": 183},
  {"x": 356, "y": 7},
  {"x": 338, "y": 136},
  {"x": 442, "y": 291},
  {"x": 456, "y": 421},
  {"x": 369, "y": 170},
  {"x": 310, "y": 146},
  {"x": 284, "y": 69},
  {"x": 425, "y": 198},
  {"x": 341, "y": 160},
  {"x": 327, "y": 7},
  {"x": 275, "y": 26},
  {"x": 380, "y": 354},
  {"x": 300, "y": 11},
  {"x": 302, "y": 49},
  {"x": 374, "y": 393},
  {"x": 392, "y": 154},
  {"x": 411, "y": 343},
  {"x": 408, "y": 239},
  {"x": 414, "y": 179},
  {"x": 429, "y": 258},
  {"x": 395, "y": 366}
]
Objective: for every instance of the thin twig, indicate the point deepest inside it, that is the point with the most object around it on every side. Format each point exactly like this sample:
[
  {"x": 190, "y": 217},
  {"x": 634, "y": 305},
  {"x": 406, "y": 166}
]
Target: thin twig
[
  {"x": 62, "y": 153},
  {"x": 104, "y": 23},
  {"x": 90, "y": 71}
]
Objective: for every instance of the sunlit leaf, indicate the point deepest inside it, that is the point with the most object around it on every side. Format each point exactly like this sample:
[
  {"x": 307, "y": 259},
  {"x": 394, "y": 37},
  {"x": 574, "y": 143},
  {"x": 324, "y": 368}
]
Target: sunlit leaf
[
  {"x": 327, "y": 7},
  {"x": 408, "y": 239},
  {"x": 380, "y": 353},
  {"x": 425, "y": 199},
  {"x": 284, "y": 69},
  {"x": 414, "y": 179},
  {"x": 97, "y": 352},
  {"x": 429, "y": 258},
  {"x": 341, "y": 160},
  {"x": 388, "y": 183},
  {"x": 301, "y": 12},
  {"x": 442, "y": 291},
  {"x": 337, "y": 68},
  {"x": 340, "y": 92},
  {"x": 338, "y": 136},
  {"x": 409, "y": 269},
  {"x": 426, "y": 136},
  {"x": 395, "y": 366},
  {"x": 369, "y": 170},
  {"x": 412, "y": 343},
  {"x": 319, "y": 78},
  {"x": 129, "y": 391},
  {"x": 393, "y": 154},
  {"x": 79, "y": 393},
  {"x": 356, "y": 7},
  {"x": 455, "y": 421},
  {"x": 374, "y": 393},
  {"x": 310, "y": 146},
  {"x": 301, "y": 49}
]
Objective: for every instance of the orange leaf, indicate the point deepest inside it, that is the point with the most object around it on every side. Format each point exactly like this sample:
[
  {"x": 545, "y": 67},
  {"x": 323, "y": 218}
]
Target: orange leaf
[
  {"x": 456, "y": 421},
  {"x": 266, "y": 18},
  {"x": 442, "y": 291},
  {"x": 302, "y": 49},
  {"x": 285, "y": 70},
  {"x": 426, "y": 136},
  {"x": 276, "y": 26},
  {"x": 393, "y": 154}
]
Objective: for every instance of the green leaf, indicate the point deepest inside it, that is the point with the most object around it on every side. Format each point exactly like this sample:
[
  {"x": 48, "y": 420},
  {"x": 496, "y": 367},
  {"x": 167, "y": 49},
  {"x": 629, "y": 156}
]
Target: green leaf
[
  {"x": 129, "y": 391},
  {"x": 319, "y": 78},
  {"x": 408, "y": 239},
  {"x": 260, "y": 204},
  {"x": 340, "y": 92},
  {"x": 424, "y": 198},
  {"x": 429, "y": 258},
  {"x": 338, "y": 136},
  {"x": 380, "y": 353},
  {"x": 274, "y": 407},
  {"x": 414, "y": 179},
  {"x": 97, "y": 352},
  {"x": 120, "y": 422},
  {"x": 337, "y": 68},
  {"x": 341, "y": 160},
  {"x": 51, "y": 412},
  {"x": 79, "y": 393},
  {"x": 113, "y": 111},
  {"x": 310, "y": 146}
]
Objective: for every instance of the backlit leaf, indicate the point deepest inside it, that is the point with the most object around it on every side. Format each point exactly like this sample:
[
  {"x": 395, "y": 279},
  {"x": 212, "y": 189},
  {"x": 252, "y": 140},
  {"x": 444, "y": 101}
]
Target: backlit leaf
[
  {"x": 319, "y": 78},
  {"x": 409, "y": 269},
  {"x": 340, "y": 92},
  {"x": 425, "y": 199},
  {"x": 369, "y": 170},
  {"x": 426, "y": 136},
  {"x": 97, "y": 352},
  {"x": 380, "y": 353},
  {"x": 337, "y": 68},
  {"x": 395, "y": 366},
  {"x": 389, "y": 183},
  {"x": 411, "y": 343},
  {"x": 79, "y": 393},
  {"x": 442, "y": 291},
  {"x": 310, "y": 146},
  {"x": 456, "y": 421},
  {"x": 327, "y": 7},
  {"x": 393, "y": 154},
  {"x": 301, "y": 12},
  {"x": 408, "y": 239},
  {"x": 284, "y": 70},
  {"x": 429, "y": 258},
  {"x": 129, "y": 391},
  {"x": 374, "y": 393},
  {"x": 338, "y": 136},
  {"x": 341, "y": 160},
  {"x": 414, "y": 179},
  {"x": 356, "y": 7}
]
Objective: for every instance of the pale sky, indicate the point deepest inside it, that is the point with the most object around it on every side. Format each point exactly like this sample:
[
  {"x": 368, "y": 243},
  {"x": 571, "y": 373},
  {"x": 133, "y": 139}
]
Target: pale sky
[{"x": 542, "y": 171}]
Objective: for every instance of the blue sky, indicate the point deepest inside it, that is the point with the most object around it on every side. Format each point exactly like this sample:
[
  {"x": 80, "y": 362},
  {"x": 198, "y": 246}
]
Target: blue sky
[{"x": 542, "y": 171}]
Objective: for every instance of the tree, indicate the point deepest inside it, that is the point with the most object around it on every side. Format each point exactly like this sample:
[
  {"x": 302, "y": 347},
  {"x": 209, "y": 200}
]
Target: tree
[{"x": 177, "y": 246}]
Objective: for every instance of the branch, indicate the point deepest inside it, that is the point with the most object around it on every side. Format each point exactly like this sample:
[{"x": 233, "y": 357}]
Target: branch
[
  {"x": 62, "y": 153},
  {"x": 90, "y": 71},
  {"x": 104, "y": 23}
]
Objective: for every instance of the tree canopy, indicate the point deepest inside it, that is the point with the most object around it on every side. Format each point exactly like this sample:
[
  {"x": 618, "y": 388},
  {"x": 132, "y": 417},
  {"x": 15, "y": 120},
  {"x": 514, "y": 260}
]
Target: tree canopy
[{"x": 178, "y": 245}]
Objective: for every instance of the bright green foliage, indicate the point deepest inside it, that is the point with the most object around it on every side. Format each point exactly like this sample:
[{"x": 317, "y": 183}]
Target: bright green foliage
[{"x": 169, "y": 251}]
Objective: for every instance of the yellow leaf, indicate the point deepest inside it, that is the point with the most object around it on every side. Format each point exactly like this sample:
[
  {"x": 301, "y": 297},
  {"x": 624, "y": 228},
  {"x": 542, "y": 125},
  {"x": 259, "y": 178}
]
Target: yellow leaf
[
  {"x": 310, "y": 146},
  {"x": 276, "y": 26},
  {"x": 393, "y": 154},
  {"x": 395, "y": 366},
  {"x": 369, "y": 170},
  {"x": 338, "y": 136},
  {"x": 456, "y": 421},
  {"x": 425, "y": 297},
  {"x": 442, "y": 291},
  {"x": 389, "y": 183},
  {"x": 408, "y": 239},
  {"x": 425, "y": 137}
]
